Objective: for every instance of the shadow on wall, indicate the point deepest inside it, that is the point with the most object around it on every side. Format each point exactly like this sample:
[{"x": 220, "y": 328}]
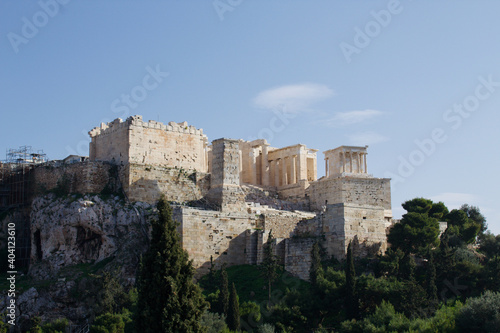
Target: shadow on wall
[
  {"x": 365, "y": 250},
  {"x": 242, "y": 249},
  {"x": 178, "y": 186},
  {"x": 145, "y": 190}
]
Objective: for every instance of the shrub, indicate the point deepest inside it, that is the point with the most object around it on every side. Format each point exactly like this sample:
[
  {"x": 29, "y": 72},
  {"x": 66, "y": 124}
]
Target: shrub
[{"x": 480, "y": 314}]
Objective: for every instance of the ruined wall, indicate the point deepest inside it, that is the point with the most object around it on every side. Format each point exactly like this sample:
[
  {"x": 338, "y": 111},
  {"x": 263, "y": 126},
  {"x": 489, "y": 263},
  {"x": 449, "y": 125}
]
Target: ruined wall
[
  {"x": 175, "y": 145},
  {"x": 298, "y": 256},
  {"x": 135, "y": 141},
  {"x": 225, "y": 190},
  {"x": 85, "y": 177},
  {"x": 364, "y": 225},
  {"x": 147, "y": 182},
  {"x": 283, "y": 223},
  {"x": 361, "y": 191},
  {"x": 110, "y": 142},
  {"x": 225, "y": 236}
]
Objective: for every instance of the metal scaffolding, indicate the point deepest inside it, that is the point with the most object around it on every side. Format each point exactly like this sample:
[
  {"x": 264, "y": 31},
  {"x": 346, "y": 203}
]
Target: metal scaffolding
[{"x": 16, "y": 191}]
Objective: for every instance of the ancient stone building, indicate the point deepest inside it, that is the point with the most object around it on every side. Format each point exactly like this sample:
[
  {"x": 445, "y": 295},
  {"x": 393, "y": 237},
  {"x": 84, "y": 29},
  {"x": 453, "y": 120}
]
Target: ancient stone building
[{"x": 229, "y": 195}]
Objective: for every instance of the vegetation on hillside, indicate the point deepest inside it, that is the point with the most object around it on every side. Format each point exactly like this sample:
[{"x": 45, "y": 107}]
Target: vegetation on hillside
[{"x": 425, "y": 282}]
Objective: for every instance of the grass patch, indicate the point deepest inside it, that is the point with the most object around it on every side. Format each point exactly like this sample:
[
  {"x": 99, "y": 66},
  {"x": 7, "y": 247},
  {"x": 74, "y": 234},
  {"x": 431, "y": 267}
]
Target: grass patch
[{"x": 252, "y": 286}]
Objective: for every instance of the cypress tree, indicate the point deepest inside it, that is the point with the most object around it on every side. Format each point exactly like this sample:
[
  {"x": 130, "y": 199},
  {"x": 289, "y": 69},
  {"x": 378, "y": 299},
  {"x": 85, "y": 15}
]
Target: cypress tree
[
  {"x": 223, "y": 301},
  {"x": 168, "y": 299},
  {"x": 233, "y": 315},
  {"x": 431, "y": 281},
  {"x": 315, "y": 264},
  {"x": 270, "y": 264},
  {"x": 352, "y": 303},
  {"x": 407, "y": 268}
]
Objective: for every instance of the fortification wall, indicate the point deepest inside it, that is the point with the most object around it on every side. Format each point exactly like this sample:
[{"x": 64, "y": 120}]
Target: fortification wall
[
  {"x": 361, "y": 191},
  {"x": 174, "y": 145},
  {"x": 85, "y": 177},
  {"x": 363, "y": 225},
  {"x": 110, "y": 142},
  {"x": 138, "y": 142},
  {"x": 295, "y": 193},
  {"x": 283, "y": 223},
  {"x": 225, "y": 190},
  {"x": 298, "y": 256},
  {"x": 147, "y": 182},
  {"x": 224, "y": 236}
]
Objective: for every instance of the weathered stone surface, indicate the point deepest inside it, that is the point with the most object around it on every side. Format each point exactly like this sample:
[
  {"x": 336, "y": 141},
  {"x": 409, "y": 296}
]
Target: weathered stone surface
[
  {"x": 147, "y": 183},
  {"x": 71, "y": 231},
  {"x": 135, "y": 141},
  {"x": 85, "y": 177}
]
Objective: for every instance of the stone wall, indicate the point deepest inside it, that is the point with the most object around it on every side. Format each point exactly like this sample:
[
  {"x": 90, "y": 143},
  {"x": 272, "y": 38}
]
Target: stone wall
[
  {"x": 225, "y": 190},
  {"x": 283, "y": 223},
  {"x": 361, "y": 224},
  {"x": 229, "y": 238},
  {"x": 110, "y": 142},
  {"x": 298, "y": 256},
  {"x": 174, "y": 145},
  {"x": 147, "y": 182},
  {"x": 85, "y": 177},
  {"x": 138, "y": 142},
  {"x": 361, "y": 191}
]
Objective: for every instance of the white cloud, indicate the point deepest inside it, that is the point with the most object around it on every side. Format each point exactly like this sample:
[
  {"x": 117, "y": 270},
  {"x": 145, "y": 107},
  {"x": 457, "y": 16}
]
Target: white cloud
[
  {"x": 352, "y": 117},
  {"x": 293, "y": 98},
  {"x": 366, "y": 138},
  {"x": 455, "y": 200}
]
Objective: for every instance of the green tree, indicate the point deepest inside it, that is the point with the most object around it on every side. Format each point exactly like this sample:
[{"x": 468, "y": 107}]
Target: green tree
[
  {"x": 480, "y": 314},
  {"x": 168, "y": 299},
  {"x": 110, "y": 296},
  {"x": 352, "y": 303},
  {"x": 233, "y": 313},
  {"x": 35, "y": 324},
  {"x": 415, "y": 233},
  {"x": 389, "y": 264},
  {"x": 461, "y": 226},
  {"x": 57, "y": 326},
  {"x": 270, "y": 265},
  {"x": 431, "y": 281},
  {"x": 214, "y": 322},
  {"x": 315, "y": 269},
  {"x": 475, "y": 215},
  {"x": 223, "y": 300},
  {"x": 418, "y": 205},
  {"x": 407, "y": 268},
  {"x": 251, "y": 311},
  {"x": 489, "y": 244},
  {"x": 111, "y": 322}
]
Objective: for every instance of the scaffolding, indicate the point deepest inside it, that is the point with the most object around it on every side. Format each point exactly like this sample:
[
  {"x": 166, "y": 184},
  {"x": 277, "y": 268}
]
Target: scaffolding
[
  {"x": 16, "y": 191},
  {"x": 25, "y": 155}
]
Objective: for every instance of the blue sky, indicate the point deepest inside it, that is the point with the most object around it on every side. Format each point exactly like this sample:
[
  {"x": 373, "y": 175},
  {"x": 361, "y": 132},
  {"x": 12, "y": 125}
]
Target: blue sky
[{"x": 418, "y": 82}]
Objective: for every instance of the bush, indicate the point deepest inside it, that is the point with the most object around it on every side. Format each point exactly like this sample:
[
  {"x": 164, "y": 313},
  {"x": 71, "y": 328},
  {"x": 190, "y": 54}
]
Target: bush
[
  {"x": 214, "y": 322},
  {"x": 266, "y": 328},
  {"x": 250, "y": 310},
  {"x": 57, "y": 326},
  {"x": 466, "y": 255},
  {"x": 111, "y": 322},
  {"x": 480, "y": 314}
]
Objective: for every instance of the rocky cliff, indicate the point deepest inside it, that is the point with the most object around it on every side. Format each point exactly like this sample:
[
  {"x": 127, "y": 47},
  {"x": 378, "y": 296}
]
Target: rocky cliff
[{"x": 73, "y": 238}]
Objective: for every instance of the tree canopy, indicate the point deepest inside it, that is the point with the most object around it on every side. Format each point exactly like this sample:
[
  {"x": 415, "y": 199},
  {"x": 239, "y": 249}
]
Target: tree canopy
[{"x": 169, "y": 300}]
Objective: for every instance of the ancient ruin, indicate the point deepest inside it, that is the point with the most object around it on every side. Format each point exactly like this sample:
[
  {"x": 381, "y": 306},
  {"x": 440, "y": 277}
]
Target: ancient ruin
[{"x": 228, "y": 195}]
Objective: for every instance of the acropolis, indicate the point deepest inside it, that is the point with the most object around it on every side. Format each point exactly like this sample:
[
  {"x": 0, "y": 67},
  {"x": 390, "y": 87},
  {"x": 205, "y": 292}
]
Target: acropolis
[{"x": 229, "y": 194}]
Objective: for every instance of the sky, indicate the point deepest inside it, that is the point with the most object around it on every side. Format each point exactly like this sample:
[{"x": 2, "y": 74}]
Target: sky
[{"x": 418, "y": 82}]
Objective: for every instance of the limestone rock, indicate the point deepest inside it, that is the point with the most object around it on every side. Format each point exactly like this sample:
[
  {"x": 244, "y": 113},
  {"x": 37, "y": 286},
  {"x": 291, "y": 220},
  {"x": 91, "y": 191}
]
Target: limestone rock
[{"x": 69, "y": 231}]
